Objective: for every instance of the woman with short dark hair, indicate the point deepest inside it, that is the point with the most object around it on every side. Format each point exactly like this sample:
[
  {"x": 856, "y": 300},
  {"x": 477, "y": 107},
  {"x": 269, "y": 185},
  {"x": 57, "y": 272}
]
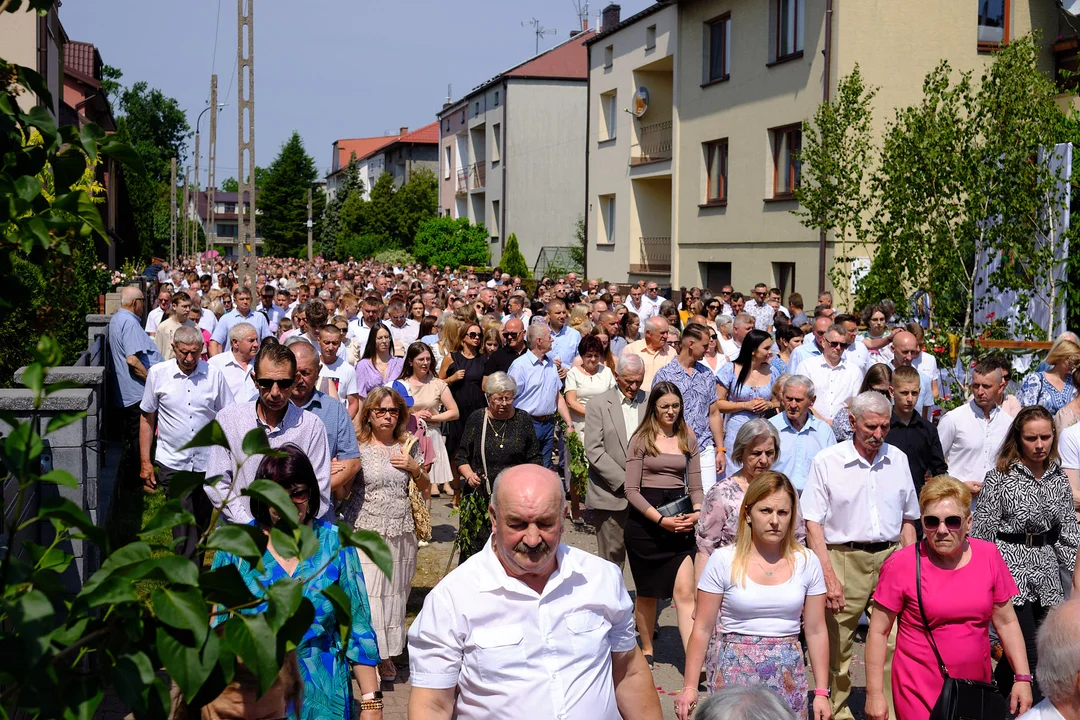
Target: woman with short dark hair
[{"x": 325, "y": 663}]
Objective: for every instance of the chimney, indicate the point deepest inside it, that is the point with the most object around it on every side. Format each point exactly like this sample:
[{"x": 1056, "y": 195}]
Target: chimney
[
  {"x": 584, "y": 23},
  {"x": 403, "y": 131},
  {"x": 611, "y": 16}
]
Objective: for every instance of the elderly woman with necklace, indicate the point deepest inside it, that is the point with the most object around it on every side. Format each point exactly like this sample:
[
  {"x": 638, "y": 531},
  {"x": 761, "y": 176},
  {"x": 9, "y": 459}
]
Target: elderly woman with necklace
[{"x": 494, "y": 438}]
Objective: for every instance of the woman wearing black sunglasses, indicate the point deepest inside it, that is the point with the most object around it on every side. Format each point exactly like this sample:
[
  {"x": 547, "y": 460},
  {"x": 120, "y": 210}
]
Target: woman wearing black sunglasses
[{"x": 965, "y": 585}]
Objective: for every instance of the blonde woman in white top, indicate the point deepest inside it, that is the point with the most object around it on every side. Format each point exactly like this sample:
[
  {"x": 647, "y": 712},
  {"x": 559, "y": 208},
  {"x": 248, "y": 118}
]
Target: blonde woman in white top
[{"x": 763, "y": 587}]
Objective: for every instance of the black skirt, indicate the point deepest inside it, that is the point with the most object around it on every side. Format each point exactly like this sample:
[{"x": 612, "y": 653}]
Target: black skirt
[{"x": 655, "y": 554}]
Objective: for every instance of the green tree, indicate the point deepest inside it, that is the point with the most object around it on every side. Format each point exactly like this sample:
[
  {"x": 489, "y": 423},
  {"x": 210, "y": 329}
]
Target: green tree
[
  {"x": 579, "y": 248},
  {"x": 283, "y": 200},
  {"x": 454, "y": 242},
  {"x": 332, "y": 227},
  {"x": 415, "y": 201},
  {"x": 513, "y": 262},
  {"x": 836, "y": 157},
  {"x": 230, "y": 184}
]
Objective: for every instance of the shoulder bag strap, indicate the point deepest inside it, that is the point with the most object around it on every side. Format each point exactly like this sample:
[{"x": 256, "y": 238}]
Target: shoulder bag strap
[
  {"x": 686, "y": 474},
  {"x": 483, "y": 452},
  {"x": 922, "y": 612}
]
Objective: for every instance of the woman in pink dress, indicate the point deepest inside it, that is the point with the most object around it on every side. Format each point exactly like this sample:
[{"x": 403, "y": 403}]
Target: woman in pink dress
[{"x": 965, "y": 586}]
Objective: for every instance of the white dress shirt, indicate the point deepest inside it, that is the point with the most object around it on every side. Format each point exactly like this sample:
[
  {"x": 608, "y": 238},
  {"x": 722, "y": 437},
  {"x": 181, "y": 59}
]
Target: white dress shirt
[
  {"x": 1043, "y": 711},
  {"x": 631, "y": 415},
  {"x": 153, "y": 319},
  {"x": 512, "y": 653},
  {"x": 208, "y": 321},
  {"x": 834, "y": 385},
  {"x": 857, "y": 501},
  {"x": 404, "y": 336},
  {"x": 184, "y": 405},
  {"x": 970, "y": 443},
  {"x": 241, "y": 380},
  {"x": 358, "y": 336},
  {"x": 1069, "y": 447}
]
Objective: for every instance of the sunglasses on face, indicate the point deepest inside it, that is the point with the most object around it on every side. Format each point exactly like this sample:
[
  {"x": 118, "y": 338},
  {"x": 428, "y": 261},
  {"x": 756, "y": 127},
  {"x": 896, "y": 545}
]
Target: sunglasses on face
[
  {"x": 510, "y": 335},
  {"x": 952, "y": 522},
  {"x": 385, "y": 412},
  {"x": 838, "y": 344},
  {"x": 299, "y": 492},
  {"x": 268, "y": 383},
  {"x": 472, "y": 335}
]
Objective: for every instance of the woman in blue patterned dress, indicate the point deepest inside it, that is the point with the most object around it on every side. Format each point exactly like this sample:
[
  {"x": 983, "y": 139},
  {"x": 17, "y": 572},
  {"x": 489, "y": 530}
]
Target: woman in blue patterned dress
[
  {"x": 1053, "y": 388},
  {"x": 744, "y": 389},
  {"x": 323, "y": 667}
]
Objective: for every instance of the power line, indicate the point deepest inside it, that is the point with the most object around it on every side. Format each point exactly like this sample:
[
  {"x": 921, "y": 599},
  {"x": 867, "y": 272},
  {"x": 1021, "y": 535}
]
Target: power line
[{"x": 217, "y": 27}]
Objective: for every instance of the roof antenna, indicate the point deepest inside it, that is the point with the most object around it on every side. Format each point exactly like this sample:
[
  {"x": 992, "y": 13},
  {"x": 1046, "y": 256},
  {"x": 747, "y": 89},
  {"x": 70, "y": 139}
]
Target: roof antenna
[
  {"x": 540, "y": 30},
  {"x": 581, "y": 7}
]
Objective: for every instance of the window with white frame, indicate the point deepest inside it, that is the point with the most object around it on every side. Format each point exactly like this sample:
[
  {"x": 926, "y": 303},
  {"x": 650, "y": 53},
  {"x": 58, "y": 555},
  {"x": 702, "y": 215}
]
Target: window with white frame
[
  {"x": 609, "y": 115},
  {"x": 606, "y": 235}
]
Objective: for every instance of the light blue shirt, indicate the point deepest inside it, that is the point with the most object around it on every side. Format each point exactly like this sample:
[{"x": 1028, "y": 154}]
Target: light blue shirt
[
  {"x": 538, "y": 384},
  {"x": 233, "y": 318},
  {"x": 798, "y": 447},
  {"x": 808, "y": 349},
  {"x": 564, "y": 345},
  {"x": 127, "y": 337}
]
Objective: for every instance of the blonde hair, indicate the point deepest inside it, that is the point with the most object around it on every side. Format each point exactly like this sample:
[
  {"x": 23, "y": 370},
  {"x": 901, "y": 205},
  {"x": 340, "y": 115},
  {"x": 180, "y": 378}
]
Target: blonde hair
[
  {"x": 1063, "y": 351},
  {"x": 452, "y": 330},
  {"x": 579, "y": 318},
  {"x": 761, "y": 487},
  {"x": 945, "y": 487}
]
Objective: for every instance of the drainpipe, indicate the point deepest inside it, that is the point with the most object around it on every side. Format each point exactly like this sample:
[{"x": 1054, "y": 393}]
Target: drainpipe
[
  {"x": 823, "y": 235},
  {"x": 588, "y": 145}
]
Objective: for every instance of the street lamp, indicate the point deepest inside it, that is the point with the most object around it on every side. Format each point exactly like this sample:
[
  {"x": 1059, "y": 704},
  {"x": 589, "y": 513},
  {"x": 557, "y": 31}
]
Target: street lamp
[{"x": 197, "y": 123}]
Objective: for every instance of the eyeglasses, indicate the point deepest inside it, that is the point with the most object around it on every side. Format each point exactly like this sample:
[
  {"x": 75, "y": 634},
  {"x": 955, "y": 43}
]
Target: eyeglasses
[
  {"x": 268, "y": 383},
  {"x": 299, "y": 492},
  {"x": 838, "y": 344},
  {"x": 953, "y": 522},
  {"x": 384, "y": 412}
]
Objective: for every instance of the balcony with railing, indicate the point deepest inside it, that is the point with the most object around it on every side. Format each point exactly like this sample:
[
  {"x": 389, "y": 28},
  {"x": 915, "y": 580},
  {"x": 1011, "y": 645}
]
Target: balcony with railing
[
  {"x": 655, "y": 255},
  {"x": 654, "y": 143},
  {"x": 478, "y": 175},
  {"x": 462, "y": 181}
]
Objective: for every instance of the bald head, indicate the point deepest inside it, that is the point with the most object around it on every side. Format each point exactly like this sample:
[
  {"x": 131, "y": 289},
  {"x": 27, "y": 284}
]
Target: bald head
[
  {"x": 304, "y": 352},
  {"x": 905, "y": 348},
  {"x": 129, "y": 296},
  {"x": 514, "y": 325},
  {"x": 531, "y": 485},
  {"x": 699, "y": 320}
]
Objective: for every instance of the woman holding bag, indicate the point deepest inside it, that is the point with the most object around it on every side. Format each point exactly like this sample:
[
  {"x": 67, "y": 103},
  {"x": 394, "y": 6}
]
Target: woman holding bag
[
  {"x": 961, "y": 584},
  {"x": 663, "y": 487}
]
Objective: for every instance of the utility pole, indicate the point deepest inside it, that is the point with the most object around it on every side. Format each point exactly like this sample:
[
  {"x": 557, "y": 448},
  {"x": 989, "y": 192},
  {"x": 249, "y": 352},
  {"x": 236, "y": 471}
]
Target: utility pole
[
  {"x": 245, "y": 111},
  {"x": 172, "y": 216},
  {"x": 309, "y": 225},
  {"x": 195, "y": 197},
  {"x": 211, "y": 168},
  {"x": 186, "y": 220}
]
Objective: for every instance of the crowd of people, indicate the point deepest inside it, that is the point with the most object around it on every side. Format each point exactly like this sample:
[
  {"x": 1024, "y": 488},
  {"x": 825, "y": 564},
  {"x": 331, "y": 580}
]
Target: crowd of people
[{"x": 776, "y": 473}]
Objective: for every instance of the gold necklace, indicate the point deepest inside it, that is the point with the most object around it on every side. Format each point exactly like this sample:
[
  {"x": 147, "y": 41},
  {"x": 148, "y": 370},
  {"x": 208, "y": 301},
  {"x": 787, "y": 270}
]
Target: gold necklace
[{"x": 498, "y": 436}]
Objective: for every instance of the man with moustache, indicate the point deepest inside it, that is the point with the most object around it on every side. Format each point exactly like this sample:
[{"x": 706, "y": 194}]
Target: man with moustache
[
  {"x": 859, "y": 504},
  {"x": 529, "y": 627}
]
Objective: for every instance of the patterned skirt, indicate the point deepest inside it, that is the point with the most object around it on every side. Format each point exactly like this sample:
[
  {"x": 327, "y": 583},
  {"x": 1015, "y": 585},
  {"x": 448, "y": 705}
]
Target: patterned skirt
[{"x": 775, "y": 662}]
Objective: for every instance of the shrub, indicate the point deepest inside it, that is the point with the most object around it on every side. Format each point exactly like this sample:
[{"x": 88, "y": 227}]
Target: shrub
[
  {"x": 362, "y": 247},
  {"x": 448, "y": 241},
  {"x": 513, "y": 261},
  {"x": 394, "y": 257}
]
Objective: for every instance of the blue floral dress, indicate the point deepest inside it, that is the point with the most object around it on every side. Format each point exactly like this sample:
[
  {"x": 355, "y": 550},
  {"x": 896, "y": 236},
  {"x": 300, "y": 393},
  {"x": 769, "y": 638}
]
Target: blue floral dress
[
  {"x": 1037, "y": 390},
  {"x": 726, "y": 376},
  {"x": 326, "y": 674}
]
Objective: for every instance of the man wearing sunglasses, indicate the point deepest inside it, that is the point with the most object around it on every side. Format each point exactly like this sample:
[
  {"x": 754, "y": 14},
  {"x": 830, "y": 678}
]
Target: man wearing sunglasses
[
  {"x": 758, "y": 307},
  {"x": 159, "y": 313},
  {"x": 835, "y": 377},
  {"x": 860, "y": 505},
  {"x": 281, "y": 421},
  {"x": 513, "y": 347},
  {"x": 269, "y": 309}
]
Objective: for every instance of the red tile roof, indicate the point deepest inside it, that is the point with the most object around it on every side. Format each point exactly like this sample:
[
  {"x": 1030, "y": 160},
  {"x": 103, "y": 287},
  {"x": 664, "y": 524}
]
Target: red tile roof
[
  {"x": 361, "y": 146},
  {"x": 569, "y": 60},
  {"x": 82, "y": 57},
  {"x": 429, "y": 134}
]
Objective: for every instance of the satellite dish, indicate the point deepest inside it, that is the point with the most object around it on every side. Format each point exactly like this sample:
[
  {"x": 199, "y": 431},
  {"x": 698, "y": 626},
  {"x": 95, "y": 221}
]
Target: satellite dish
[
  {"x": 641, "y": 97},
  {"x": 1071, "y": 6}
]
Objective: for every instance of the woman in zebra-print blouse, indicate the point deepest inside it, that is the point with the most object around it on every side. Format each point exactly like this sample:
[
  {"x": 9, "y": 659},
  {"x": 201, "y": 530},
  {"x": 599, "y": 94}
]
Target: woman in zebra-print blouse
[{"x": 1026, "y": 508}]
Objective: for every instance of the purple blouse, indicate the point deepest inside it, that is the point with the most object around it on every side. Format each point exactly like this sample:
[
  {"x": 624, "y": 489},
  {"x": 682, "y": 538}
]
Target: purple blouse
[{"x": 367, "y": 377}]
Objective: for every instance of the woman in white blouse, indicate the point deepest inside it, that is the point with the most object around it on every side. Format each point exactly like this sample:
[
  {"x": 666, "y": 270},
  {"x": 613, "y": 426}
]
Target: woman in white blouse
[
  {"x": 583, "y": 382},
  {"x": 763, "y": 587}
]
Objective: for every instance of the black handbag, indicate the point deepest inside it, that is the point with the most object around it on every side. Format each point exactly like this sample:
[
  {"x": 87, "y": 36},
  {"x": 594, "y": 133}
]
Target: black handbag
[
  {"x": 684, "y": 505},
  {"x": 960, "y": 699}
]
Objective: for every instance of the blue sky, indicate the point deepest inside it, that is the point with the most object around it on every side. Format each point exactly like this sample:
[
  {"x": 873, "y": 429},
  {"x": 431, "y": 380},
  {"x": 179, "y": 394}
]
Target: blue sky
[{"x": 326, "y": 68}]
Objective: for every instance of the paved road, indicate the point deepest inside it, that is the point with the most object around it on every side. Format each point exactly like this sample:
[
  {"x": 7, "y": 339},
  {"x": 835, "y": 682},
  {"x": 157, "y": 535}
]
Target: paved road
[{"x": 668, "y": 648}]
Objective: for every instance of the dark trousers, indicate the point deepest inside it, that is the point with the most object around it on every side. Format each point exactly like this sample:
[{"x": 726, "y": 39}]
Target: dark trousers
[
  {"x": 545, "y": 433},
  {"x": 196, "y": 503},
  {"x": 128, "y": 475},
  {"x": 1030, "y": 616}
]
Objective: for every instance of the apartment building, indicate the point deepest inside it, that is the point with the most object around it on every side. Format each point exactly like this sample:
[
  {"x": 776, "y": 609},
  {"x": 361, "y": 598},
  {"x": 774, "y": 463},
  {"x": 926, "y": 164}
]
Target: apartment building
[
  {"x": 400, "y": 155},
  {"x": 37, "y": 42},
  {"x": 512, "y": 151},
  {"x": 226, "y": 231},
  {"x": 368, "y": 159},
  {"x": 745, "y": 74}
]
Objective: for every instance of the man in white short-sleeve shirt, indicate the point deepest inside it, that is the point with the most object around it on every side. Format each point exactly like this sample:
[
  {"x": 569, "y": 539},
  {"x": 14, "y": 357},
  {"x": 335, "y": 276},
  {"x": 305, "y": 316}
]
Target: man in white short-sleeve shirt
[
  {"x": 972, "y": 434},
  {"x": 529, "y": 627},
  {"x": 1069, "y": 450},
  {"x": 859, "y": 504}
]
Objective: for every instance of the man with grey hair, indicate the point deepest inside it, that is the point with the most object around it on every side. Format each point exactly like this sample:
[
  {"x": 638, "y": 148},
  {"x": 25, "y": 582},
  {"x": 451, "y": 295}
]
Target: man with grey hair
[
  {"x": 802, "y": 436},
  {"x": 133, "y": 353},
  {"x": 612, "y": 417},
  {"x": 540, "y": 390},
  {"x": 859, "y": 504},
  {"x": 836, "y": 376},
  {"x": 743, "y": 702},
  {"x": 653, "y": 349},
  {"x": 236, "y": 362},
  {"x": 529, "y": 627},
  {"x": 1058, "y": 651},
  {"x": 182, "y": 395}
]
